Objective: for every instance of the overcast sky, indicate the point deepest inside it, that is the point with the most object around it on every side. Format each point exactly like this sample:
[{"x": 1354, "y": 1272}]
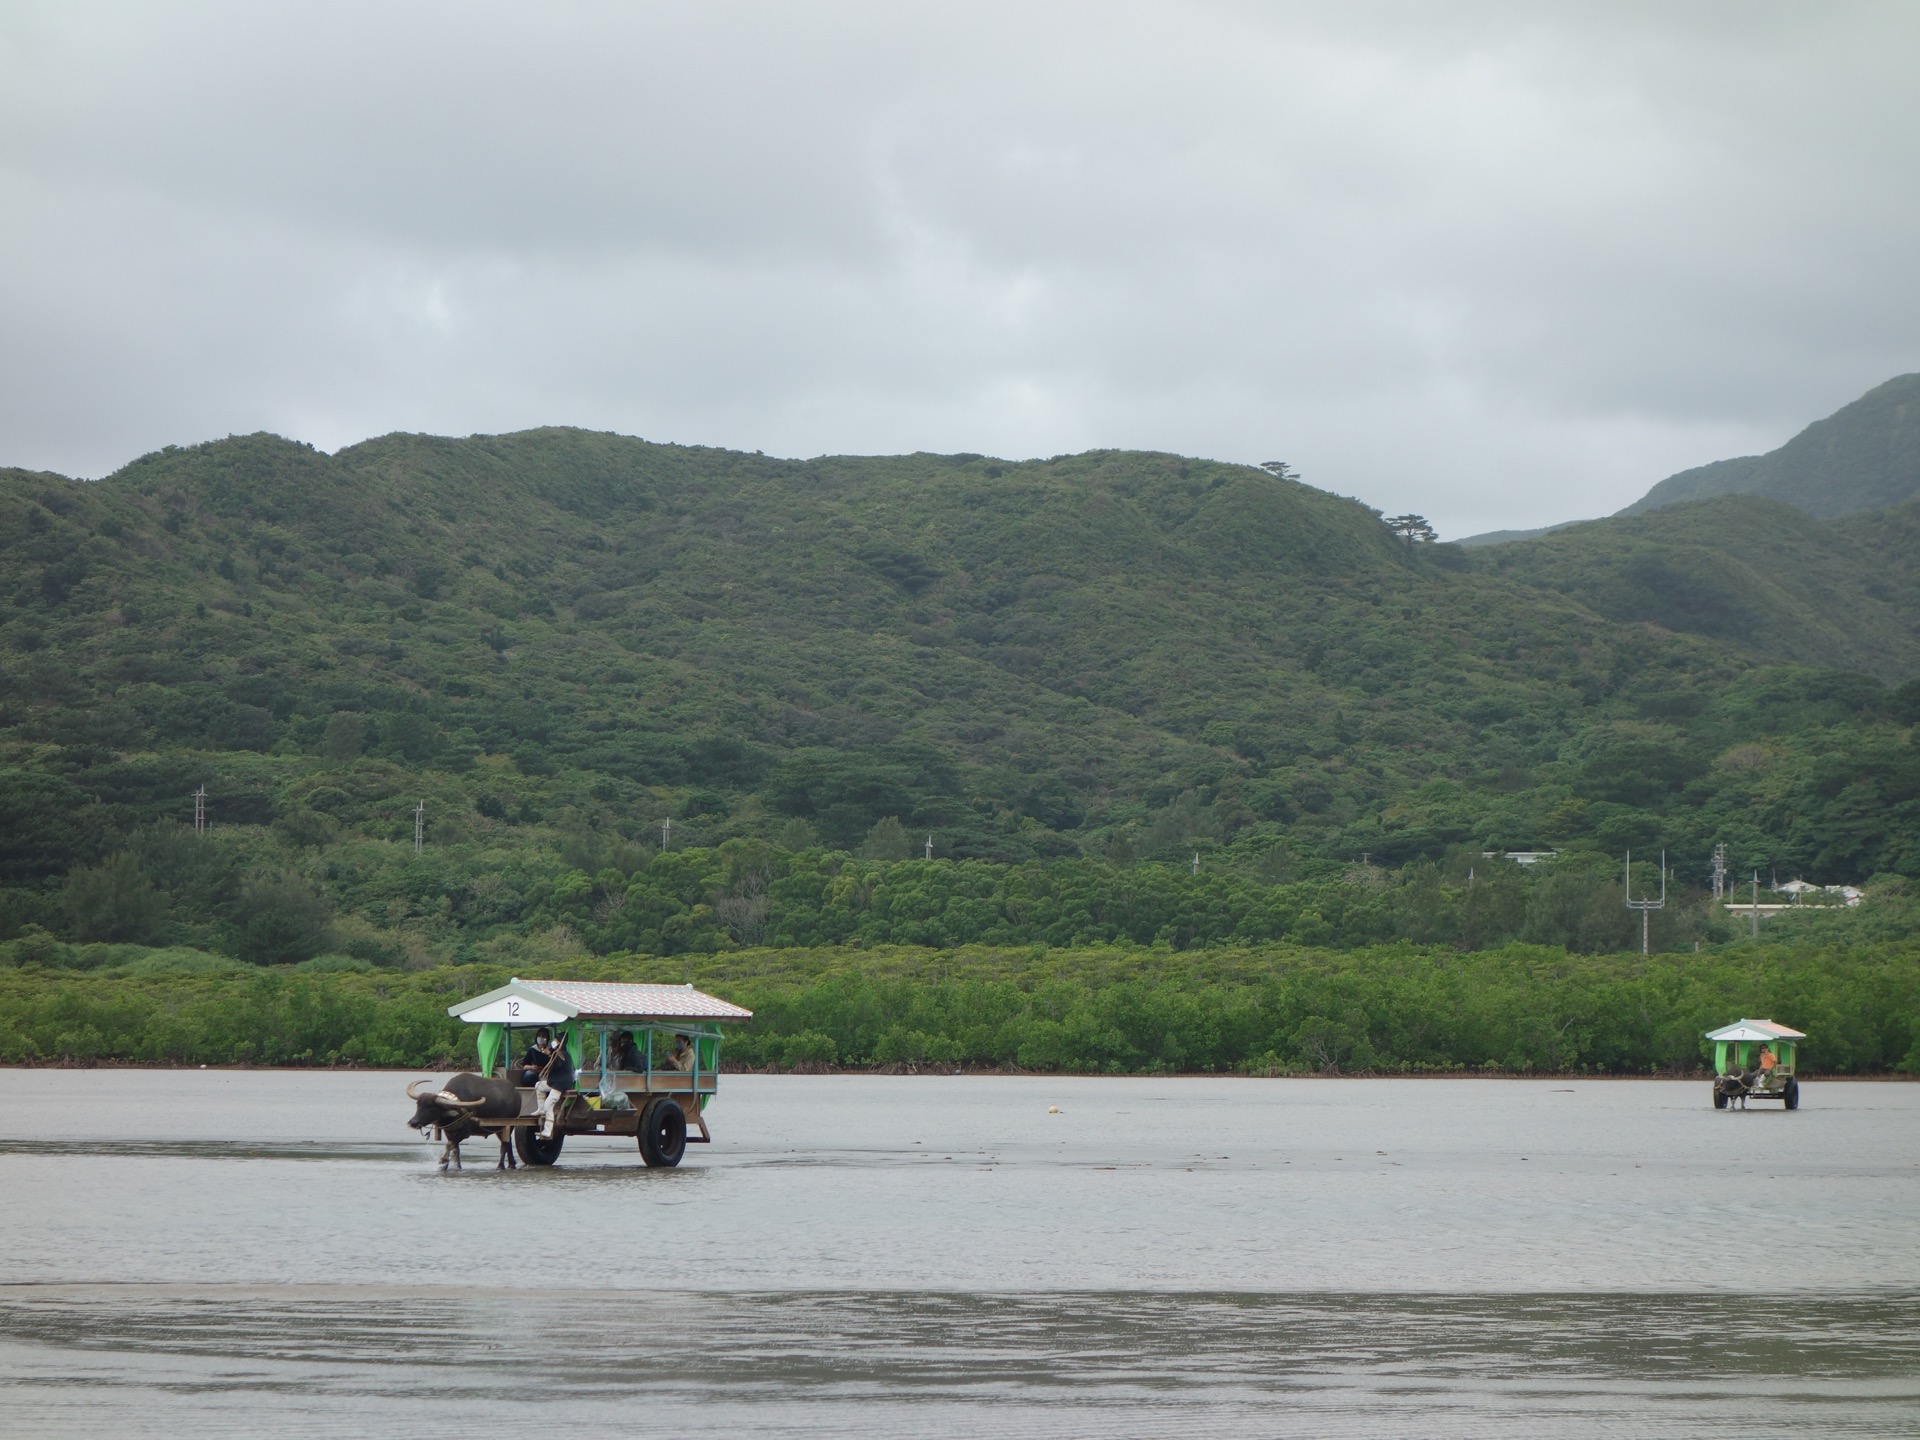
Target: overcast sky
[{"x": 1503, "y": 264}]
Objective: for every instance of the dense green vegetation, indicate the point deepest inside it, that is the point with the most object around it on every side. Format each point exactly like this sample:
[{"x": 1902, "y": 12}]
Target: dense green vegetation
[
  {"x": 1271, "y": 1010},
  {"x": 1086, "y": 679},
  {"x": 1864, "y": 456},
  {"x": 1751, "y": 573}
]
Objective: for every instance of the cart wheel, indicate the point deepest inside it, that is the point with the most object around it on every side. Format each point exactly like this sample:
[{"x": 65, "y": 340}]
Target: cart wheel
[
  {"x": 1793, "y": 1093},
  {"x": 533, "y": 1149},
  {"x": 663, "y": 1134},
  {"x": 1719, "y": 1098}
]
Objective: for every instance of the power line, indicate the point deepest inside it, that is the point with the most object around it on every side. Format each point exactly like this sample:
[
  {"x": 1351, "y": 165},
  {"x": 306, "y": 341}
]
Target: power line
[{"x": 1645, "y": 907}]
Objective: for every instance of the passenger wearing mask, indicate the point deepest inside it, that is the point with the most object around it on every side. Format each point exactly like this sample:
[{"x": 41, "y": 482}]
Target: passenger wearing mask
[{"x": 533, "y": 1064}]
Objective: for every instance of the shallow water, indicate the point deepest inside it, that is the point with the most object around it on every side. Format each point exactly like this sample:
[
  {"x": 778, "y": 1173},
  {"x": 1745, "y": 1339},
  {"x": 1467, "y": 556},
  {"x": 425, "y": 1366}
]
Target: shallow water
[{"x": 222, "y": 1252}]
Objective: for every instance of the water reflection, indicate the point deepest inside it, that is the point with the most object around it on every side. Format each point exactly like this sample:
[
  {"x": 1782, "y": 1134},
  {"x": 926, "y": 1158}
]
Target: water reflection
[
  {"x": 1042, "y": 1364},
  {"x": 213, "y": 1255}
]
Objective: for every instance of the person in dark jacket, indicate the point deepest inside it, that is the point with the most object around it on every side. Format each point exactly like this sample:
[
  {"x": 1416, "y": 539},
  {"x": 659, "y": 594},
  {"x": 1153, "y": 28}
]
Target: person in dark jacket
[
  {"x": 533, "y": 1064},
  {"x": 626, "y": 1054},
  {"x": 552, "y": 1088}
]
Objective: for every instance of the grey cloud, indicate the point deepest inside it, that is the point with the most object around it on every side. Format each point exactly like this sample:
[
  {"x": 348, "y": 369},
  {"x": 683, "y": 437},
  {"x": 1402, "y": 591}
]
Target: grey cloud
[{"x": 1501, "y": 263}]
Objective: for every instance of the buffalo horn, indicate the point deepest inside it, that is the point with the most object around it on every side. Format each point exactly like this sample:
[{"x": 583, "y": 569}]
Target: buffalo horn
[
  {"x": 413, "y": 1090},
  {"x": 447, "y": 1097}
]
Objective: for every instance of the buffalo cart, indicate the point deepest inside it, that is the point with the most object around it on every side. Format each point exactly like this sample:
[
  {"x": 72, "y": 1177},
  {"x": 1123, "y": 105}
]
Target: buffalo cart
[
  {"x": 662, "y": 1101},
  {"x": 1740, "y": 1069}
]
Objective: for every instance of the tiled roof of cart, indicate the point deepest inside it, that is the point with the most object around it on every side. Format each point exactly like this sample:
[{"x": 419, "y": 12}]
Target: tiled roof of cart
[
  {"x": 599, "y": 999},
  {"x": 1755, "y": 1030}
]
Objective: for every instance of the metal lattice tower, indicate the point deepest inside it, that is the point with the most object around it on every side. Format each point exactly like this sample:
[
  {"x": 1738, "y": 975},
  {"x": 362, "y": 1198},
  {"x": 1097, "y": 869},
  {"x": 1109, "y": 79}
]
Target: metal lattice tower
[
  {"x": 929, "y": 847},
  {"x": 1720, "y": 871},
  {"x": 200, "y": 811},
  {"x": 1646, "y": 907},
  {"x": 419, "y": 826},
  {"x": 666, "y": 832}
]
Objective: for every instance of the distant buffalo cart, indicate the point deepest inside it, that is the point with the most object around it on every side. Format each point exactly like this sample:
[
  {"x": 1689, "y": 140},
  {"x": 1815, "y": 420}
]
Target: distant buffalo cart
[
  {"x": 1754, "y": 1060},
  {"x": 639, "y": 1060}
]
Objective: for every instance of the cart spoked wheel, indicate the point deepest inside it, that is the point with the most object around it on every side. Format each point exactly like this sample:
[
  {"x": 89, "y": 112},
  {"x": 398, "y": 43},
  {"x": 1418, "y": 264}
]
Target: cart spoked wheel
[
  {"x": 1719, "y": 1098},
  {"x": 1793, "y": 1094},
  {"x": 663, "y": 1134},
  {"x": 534, "y": 1150}
]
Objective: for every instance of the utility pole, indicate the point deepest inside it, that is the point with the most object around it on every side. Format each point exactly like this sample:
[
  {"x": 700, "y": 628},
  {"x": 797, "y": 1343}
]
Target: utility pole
[
  {"x": 666, "y": 832},
  {"x": 200, "y": 811},
  {"x": 419, "y": 826},
  {"x": 1646, "y": 907},
  {"x": 929, "y": 847},
  {"x": 1720, "y": 871},
  {"x": 1754, "y": 912}
]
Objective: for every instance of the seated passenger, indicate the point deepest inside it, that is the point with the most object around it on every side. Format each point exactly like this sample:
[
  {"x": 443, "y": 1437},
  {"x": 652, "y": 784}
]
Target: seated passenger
[
  {"x": 1768, "y": 1060},
  {"x": 682, "y": 1057},
  {"x": 622, "y": 1055},
  {"x": 625, "y": 1053}
]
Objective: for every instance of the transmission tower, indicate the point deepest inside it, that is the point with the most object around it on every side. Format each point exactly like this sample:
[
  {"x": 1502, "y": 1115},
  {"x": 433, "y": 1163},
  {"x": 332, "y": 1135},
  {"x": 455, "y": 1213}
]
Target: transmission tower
[
  {"x": 419, "y": 826},
  {"x": 1646, "y": 907},
  {"x": 200, "y": 811},
  {"x": 666, "y": 832},
  {"x": 1720, "y": 871},
  {"x": 929, "y": 847}
]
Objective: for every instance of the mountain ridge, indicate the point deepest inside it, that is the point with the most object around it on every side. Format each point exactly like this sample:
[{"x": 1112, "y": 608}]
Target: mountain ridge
[{"x": 1864, "y": 456}]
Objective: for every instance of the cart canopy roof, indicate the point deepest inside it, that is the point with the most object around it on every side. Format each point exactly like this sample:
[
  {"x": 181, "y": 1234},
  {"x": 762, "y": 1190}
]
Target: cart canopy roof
[
  {"x": 548, "y": 1002},
  {"x": 1755, "y": 1030}
]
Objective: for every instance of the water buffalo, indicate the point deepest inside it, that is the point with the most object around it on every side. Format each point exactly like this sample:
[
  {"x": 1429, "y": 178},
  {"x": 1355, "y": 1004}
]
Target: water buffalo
[{"x": 456, "y": 1108}]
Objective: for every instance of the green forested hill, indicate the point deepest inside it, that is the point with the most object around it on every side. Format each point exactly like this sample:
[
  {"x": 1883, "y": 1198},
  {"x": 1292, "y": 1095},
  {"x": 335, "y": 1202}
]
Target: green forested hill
[
  {"x": 557, "y": 640},
  {"x": 1746, "y": 572},
  {"x": 1864, "y": 456}
]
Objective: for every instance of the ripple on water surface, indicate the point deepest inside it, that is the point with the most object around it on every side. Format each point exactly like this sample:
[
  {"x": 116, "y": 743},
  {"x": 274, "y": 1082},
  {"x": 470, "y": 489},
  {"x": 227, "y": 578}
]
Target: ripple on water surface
[
  {"x": 234, "y": 1254},
  {"x": 310, "y": 1360}
]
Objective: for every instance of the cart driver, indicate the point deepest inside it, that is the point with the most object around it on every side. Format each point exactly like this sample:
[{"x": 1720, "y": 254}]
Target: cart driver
[
  {"x": 551, "y": 1088},
  {"x": 538, "y": 1053},
  {"x": 1768, "y": 1060}
]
